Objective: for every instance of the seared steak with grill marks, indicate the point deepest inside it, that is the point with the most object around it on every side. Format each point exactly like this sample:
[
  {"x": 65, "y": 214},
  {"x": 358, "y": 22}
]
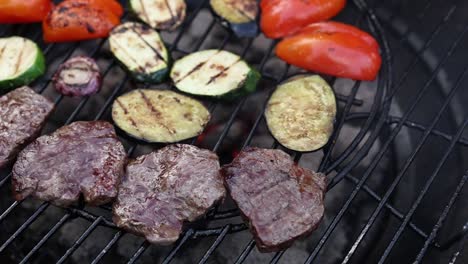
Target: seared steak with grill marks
[
  {"x": 163, "y": 189},
  {"x": 280, "y": 200},
  {"x": 83, "y": 157},
  {"x": 22, "y": 115}
]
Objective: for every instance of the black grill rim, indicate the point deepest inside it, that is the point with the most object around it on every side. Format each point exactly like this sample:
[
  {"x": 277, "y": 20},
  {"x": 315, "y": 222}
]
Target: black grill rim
[{"x": 375, "y": 120}]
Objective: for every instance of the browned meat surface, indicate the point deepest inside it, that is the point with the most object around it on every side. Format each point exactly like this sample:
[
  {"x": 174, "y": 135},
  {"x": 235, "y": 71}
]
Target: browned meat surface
[
  {"x": 83, "y": 157},
  {"x": 280, "y": 200},
  {"x": 163, "y": 189},
  {"x": 22, "y": 115}
]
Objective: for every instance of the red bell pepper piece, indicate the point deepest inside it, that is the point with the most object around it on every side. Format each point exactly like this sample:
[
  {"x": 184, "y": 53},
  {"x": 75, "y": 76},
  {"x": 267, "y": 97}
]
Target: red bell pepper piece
[
  {"x": 335, "y": 49},
  {"x": 106, "y": 5},
  {"x": 74, "y": 20},
  {"x": 23, "y": 11},
  {"x": 281, "y": 18}
]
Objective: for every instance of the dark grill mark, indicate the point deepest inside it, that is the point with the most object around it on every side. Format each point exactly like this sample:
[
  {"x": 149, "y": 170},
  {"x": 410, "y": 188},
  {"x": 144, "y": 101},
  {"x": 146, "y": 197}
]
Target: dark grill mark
[
  {"x": 20, "y": 57},
  {"x": 143, "y": 10},
  {"x": 222, "y": 73},
  {"x": 241, "y": 10},
  {"x": 140, "y": 68},
  {"x": 173, "y": 17},
  {"x": 134, "y": 124},
  {"x": 156, "y": 112},
  {"x": 158, "y": 55},
  {"x": 196, "y": 68},
  {"x": 90, "y": 28},
  {"x": 2, "y": 51},
  {"x": 149, "y": 104}
]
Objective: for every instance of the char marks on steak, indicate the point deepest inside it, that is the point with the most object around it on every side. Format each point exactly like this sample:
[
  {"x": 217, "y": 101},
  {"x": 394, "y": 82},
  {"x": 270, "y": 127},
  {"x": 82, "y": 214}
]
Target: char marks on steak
[
  {"x": 280, "y": 200},
  {"x": 163, "y": 189},
  {"x": 22, "y": 116},
  {"x": 83, "y": 157}
]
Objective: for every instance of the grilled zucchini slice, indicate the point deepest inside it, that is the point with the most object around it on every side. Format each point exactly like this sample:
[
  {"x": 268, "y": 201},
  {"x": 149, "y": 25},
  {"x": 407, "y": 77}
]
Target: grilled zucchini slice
[
  {"x": 214, "y": 73},
  {"x": 141, "y": 50},
  {"x": 301, "y": 112},
  {"x": 159, "y": 115},
  {"x": 240, "y": 15},
  {"x": 21, "y": 62},
  {"x": 236, "y": 12},
  {"x": 160, "y": 14}
]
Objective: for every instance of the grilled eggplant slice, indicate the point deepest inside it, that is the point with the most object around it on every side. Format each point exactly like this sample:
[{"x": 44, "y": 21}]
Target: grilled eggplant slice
[
  {"x": 78, "y": 76},
  {"x": 214, "y": 73},
  {"x": 159, "y": 115},
  {"x": 21, "y": 62},
  {"x": 241, "y": 15},
  {"x": 141, "y": 50},
  {"x": 160, "y": 14},
  {"x": 301, "y": 112}
]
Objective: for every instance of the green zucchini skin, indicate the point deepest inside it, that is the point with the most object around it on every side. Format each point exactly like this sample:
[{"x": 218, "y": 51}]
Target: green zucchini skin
[
  {"x": 248, "y": 87},
  {"x": 155, "y": 77},
  {"x": 38, "y": 69}
]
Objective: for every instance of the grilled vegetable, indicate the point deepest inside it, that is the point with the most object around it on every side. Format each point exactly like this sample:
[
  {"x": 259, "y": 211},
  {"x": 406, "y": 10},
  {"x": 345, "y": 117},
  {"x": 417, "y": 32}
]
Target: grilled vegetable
[
  {"x": 78, "y": 76},
  {"x": 333, "y": 48},
  {"x": 21, "y": 11},
  {"x": 21, "y": 62},
  {"x": 141, "y": 50},
  {"x": 160, "y": 14},
  {"x": 301, "y": 112},
  {"x": 281, "y": 18},
  {"x": 214, "y": 73},
  {"x": 159, "y": 116},
  {"x": 74, "y": 20},
  {"x": 240, "y": 15}
]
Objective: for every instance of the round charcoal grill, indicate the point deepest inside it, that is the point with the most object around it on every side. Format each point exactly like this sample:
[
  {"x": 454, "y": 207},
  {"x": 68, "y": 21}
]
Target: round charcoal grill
[{"x": 396, "y": 163}]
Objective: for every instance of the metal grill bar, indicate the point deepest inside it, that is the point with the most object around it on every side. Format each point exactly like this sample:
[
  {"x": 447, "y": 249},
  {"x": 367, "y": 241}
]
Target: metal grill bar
[
  {"x": 44, "y": 239},
  {"x": 441, "y": 220},
  {"x": 213, "y": 247},
  {"x": 419, "y": 54},
  {"x": 460, "y": 247},
  {"x": 139, "y": 252},
  {"x": 395, "y": 212},
  {"x": 411, "y": 124},
  {"x": 420, "y": 94},
  {"x": 411, "y": 157},
  {"x": 423, "y": 192},
  {"x": 109, "y": 245},
  {"x": 221, "y": 232},
  {"x": 25, "y": 225},
  {"x": 80, "y": 240},
  {"x": 174, "y": 250}
]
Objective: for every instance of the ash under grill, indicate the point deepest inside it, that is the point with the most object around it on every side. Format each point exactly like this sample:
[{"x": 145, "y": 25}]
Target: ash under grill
[{"x": 396, "y": 165}]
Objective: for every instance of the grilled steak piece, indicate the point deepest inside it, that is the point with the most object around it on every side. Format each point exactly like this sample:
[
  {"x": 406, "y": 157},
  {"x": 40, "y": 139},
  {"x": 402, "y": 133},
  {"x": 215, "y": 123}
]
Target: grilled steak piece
[
  {"x": 163, "y": 189},
  {"x": 83, "y": 157},
  {"x": 22, "y": 116},
  {"x": 280, "y": 200}
]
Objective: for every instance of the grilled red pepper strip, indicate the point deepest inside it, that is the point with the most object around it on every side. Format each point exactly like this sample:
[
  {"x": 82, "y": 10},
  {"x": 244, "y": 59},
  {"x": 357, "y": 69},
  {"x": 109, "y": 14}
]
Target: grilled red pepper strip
[
  {"x": 335, "y": 49},
  {"x": 281, "y": 18},
  {"x": 74, "y": 20},
  {"x": 23, "y": 11}
]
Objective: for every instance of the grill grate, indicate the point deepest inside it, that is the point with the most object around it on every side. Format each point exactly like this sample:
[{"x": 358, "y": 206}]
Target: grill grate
[{"x": 378, "y": 120}]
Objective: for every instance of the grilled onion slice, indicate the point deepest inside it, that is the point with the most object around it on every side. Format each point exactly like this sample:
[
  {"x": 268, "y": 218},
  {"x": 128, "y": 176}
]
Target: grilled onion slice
[
  {"x": 301, "y": 112},
  {"x": 159, "y": 115},
  {"x": 78, "y": 76}
]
